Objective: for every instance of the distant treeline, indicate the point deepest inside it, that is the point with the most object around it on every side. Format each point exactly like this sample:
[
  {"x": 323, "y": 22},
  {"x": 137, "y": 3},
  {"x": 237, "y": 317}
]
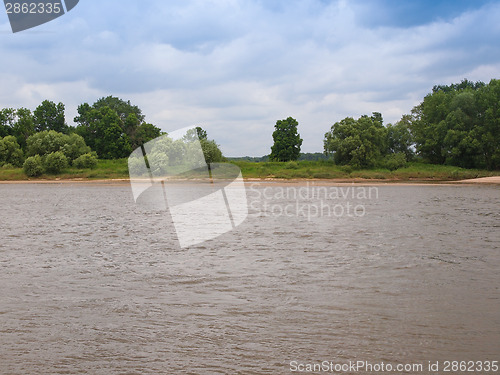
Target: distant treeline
[{"x": 303, "y": 156}]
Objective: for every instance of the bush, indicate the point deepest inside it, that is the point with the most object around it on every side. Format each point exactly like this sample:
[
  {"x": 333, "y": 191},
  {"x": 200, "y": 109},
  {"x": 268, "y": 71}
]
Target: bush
[
  {"x": 55, "y": 162},
  {"x": 394, "y": 161},
  {"x": 8, "y": 166},
  {"x": 88, "y": 160},
  {"x": 10, "y": 151},
  {"x": 75, "y": 147},
  {"x": 49, "y": 141},
  {"x": 33, "y": 166}
]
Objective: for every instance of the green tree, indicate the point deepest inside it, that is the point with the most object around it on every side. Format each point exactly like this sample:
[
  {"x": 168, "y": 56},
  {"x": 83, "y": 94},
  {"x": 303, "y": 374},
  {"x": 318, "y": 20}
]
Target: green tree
[
  {"x": 7, "y": 119},
  {"x": 287, "y": 140},
  {"x": 123, "y": 108},
  {"x": 359, "y": 143},
  {"x": 459, "y": 125},
  {"x": 134, "y": 132},
  {"x": 487, "y": 131},
  {"x": 50, "y": 116},
  {"x": 24, "y": 126},
  {"x": 10, "y": 152},
  {"x": 211, "y": 151},
  {"x": 145, "y": 133},
  {"x": 400, "y": 139},
  {"x": 202, "y": 134}
]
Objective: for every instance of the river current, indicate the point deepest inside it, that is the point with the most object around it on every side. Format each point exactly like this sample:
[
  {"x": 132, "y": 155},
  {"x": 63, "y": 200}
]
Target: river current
[{"x": 90, "y": 283}]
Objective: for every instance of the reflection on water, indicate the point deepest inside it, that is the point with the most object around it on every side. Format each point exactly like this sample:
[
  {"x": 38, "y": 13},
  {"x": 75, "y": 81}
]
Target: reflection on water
[{"x": 90, "y": 283}]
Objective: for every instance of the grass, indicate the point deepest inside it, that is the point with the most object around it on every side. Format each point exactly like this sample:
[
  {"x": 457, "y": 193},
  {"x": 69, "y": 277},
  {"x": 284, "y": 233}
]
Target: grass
[
  {"x": 106, "y": 169},
  {"x": 328, "y": 170},
  {"x": 323, "y": 169}
]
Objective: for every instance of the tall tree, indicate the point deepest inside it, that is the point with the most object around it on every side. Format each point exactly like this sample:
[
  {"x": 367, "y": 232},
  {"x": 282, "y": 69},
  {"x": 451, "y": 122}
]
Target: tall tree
[
  {"x": 459, "y": 125},
  {"x": 359, "y": 143},
  {"x": 7, "y": 119},
  {"x": 50, "y": 116},
  {"x": 400, "y": 139},
  {"x": 129, "y": 118},
  {"x": 287, "y": 140},
  {"x": 24, "y": 126},
  {"x": 102, "y": 130},
  {"x": 123, "y": 108}
]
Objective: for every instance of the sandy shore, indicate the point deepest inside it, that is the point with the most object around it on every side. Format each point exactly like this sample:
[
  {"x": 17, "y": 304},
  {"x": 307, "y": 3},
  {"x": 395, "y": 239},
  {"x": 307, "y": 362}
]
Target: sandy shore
[
  {"x": 494, "y": 180},
  {"x": 483, "y": 180}
]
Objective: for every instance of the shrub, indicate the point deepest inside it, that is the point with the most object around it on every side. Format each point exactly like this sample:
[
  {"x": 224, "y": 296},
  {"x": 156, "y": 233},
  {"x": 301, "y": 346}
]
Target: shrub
[
  {"x": 75, "y": 146},
  {"x": 7, "y": 166},
  {"x": 394, "y": 161},
  {"x": 55, "y": 162},
  {"x": 33, "y": 166},
  {"x": 49, "y": 141},
  {"x": 10, "y": 151},
  {"x": 88, "y": 160}
]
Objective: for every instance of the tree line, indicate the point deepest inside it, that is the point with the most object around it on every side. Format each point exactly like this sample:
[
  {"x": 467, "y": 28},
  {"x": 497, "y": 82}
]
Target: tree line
[
  {"x": 111, "y": 128},
  {"x": 455, "y": 125}
]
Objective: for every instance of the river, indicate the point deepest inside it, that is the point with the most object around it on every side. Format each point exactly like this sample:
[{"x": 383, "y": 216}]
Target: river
[{"x": 91, "y": 283}]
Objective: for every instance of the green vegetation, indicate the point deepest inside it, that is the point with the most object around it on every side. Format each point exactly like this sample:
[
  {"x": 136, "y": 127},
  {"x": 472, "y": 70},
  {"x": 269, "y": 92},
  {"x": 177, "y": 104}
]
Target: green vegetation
[
  {"x": 456, "y": 125},
  {"x": 287, "y": 141},
  {"x": 360, "y": 143},
  {"x": 454, "y": 133},
  {"x": 329, "y": 170},
  {"x": 413, "y": 171}
]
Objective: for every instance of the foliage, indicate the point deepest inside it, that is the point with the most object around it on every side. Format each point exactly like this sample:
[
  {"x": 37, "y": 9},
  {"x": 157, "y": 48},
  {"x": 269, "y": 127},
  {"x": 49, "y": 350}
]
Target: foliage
[
  {"x": 50, "y": 116},
  {"x": 7, "y": 119},
  {"x": 10, "y": 152},
  {"x": 23, "y": 126},
  {"x": 45, "y": 142},
  {"x": 48, "y": 141},
  {"x": 211, "y": 151},
  {"x": 74, "y": 146},
  {"x": 400, "y": 139},
  {"x": 121, "y": 107},
  {"x": 202, "y": 134},
  {"x": 394, "y": 161},
  {"x": 55, "y": 162},
  {"x": 459, "y": 125},
  {"x": 8, "y": 166},
  {"x": 145, "y": 133},
  {"x": 33, "y": 166},
  {"x": 121, "y": 122},
  {"x": 88, "y": 160},
  {"x": 359, "y": 143},
  {"x": 287, "y": 140},
  {"x": 102, "y": 130}
]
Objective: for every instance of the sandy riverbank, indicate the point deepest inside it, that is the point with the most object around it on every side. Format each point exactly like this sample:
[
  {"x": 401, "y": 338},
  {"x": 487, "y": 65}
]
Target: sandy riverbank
[{"x": 494, "y": 180}]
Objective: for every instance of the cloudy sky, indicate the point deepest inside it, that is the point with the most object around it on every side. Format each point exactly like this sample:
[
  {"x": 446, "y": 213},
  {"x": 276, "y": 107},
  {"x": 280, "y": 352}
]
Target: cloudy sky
[{"x": 236, "y": 66}]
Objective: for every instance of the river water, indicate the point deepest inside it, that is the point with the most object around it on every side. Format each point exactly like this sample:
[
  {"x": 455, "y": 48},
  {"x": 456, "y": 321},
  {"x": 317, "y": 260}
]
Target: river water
[{"x": 90, "y": 283}]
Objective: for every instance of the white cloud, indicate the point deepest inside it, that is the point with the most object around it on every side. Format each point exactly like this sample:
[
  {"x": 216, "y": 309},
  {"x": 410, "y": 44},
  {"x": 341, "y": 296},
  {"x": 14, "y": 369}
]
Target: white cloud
[{"x": 237, "y": 66}]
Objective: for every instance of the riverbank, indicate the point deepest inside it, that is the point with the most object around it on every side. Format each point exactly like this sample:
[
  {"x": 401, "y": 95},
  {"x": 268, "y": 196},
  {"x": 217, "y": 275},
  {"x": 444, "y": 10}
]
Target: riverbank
[
  {"x": 493, "y": 180},
  {"x": 117, "y": 170}
]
